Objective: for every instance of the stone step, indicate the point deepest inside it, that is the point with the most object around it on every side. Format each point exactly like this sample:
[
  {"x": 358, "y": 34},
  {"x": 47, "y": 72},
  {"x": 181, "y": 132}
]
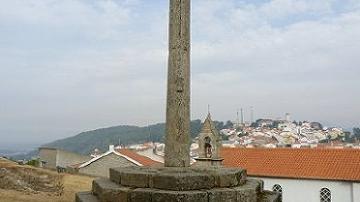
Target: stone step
[
  {"x": 108, "y": 191},
  {"x": 256, "y": 184},
  {"x": 244, "y": 193},
  {"x": 249, "y": 191},
  {"x": 85, "y": 197},
  {"x": 177, "y": 185},
  {"x": 178, "y": 179},
  {"x": 269, "y": 196}
]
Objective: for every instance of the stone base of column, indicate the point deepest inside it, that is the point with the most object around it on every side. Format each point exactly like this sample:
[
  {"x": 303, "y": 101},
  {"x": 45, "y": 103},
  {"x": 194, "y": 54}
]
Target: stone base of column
[
  {"x": 208, "y": 162},
  {"x": 195, "y": 184}
]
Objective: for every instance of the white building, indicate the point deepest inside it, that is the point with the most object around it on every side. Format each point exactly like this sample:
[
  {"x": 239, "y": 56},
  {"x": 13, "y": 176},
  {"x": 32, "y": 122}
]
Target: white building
[
  {"x": 306, "y": 190},
  {"x": 53, "y": 158},
  {"x": 302, "y": 175},
  {"x": 100, "y": 165}
]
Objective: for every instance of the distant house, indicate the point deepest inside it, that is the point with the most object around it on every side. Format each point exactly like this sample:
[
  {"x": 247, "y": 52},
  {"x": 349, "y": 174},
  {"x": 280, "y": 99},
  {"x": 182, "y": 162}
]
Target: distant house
[
  {"x": 100, "y": 165},
  {"x": 265, "y": 123},
  {"x": 53, "y": 158},
  {"x": 311, "y": 175}
]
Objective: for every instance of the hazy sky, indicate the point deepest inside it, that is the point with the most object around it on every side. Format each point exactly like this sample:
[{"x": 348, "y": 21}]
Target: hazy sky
[{"x": 72, "y": 65}]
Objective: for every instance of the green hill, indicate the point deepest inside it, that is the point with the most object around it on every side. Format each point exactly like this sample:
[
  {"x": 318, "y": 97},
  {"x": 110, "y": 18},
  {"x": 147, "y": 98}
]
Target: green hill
[{"x": 86, "y": 142}]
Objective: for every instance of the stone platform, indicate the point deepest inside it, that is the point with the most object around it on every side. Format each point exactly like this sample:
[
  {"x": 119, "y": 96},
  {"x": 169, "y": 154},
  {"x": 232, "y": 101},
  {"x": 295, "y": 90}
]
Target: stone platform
[
  {"x": 139, "y": 184},
  {"x": 208, "y": 162}
]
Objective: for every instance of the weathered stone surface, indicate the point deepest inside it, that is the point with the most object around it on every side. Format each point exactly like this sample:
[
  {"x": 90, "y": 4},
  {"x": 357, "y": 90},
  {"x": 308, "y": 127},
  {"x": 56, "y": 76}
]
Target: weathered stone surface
[
  {"x": 85, "y": 197},
  {"x": 141, "y": 195},
  {"x": 135, "y": 179},
  {"x": 269, "y": 196},
  {"x": 249, "y": 191},
  {"x": 182, "y": 185},
  {"x": 180, "y": 196},
  {"x": 224, "y": 177},
  {"x": 246, "y": 195},
  {"x": 222, "y": 195},
  {"x": 108, "y": 191},
  {"x": 172, "y": 178},
  {"x": 115, "y": 175},
  {"x": 139, "y": 177},
  {"x": 183, "y": 181},
  {"x": 256, "y": 184},
  {"x": 208, "y": 162},
  {"x": 229, "y": 177},
  {"x": 177, "y": 129}
]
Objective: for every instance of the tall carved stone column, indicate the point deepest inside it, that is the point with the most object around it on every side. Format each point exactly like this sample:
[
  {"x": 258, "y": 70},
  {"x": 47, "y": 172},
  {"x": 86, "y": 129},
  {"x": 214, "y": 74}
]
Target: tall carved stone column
[
  {"x": 177, "y": 138},
  {"x": 171, "y": 183}
]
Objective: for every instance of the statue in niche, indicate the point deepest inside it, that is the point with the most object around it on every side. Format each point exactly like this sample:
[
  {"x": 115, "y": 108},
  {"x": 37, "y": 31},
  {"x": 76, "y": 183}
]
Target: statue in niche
[{"x": 208, "y": 147}]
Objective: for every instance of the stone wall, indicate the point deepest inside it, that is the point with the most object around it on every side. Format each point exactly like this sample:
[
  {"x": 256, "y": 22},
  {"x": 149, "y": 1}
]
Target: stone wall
[
  {"x": 56, "y": 157},
  {"x": 66, "y": 158},
  {"x": 48, "y": 157},
  {"x": 100, "y": 168}
]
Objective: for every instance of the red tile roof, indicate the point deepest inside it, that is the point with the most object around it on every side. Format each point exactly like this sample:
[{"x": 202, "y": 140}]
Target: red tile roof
[
  {"x": 325, "y": 164},
  {"x": 143, "y": 160}
]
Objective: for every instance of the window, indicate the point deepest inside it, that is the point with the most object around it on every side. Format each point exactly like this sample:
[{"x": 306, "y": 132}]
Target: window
[
  {"x": 278, "y": 188},
  {"x": 325, "y": 195}
]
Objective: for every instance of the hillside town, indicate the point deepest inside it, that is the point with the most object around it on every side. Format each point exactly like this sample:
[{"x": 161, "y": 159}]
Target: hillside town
[
  {"x": 268, "y": 133},
  {"x": 319, "y": 153}
]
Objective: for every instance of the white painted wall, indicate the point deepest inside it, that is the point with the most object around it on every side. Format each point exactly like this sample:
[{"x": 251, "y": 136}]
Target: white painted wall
[
  {"x": 356, "y": 192},
  {"x": 309, "y": 190}
]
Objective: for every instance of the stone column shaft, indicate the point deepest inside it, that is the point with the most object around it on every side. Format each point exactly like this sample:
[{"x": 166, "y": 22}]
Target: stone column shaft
[{"x": 177, "y": 140}]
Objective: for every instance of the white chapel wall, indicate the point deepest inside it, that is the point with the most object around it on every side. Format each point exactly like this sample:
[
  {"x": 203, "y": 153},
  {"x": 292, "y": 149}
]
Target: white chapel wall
[
  {"x": 309, "y": 190},
  {"x": 356, "y": 192}
]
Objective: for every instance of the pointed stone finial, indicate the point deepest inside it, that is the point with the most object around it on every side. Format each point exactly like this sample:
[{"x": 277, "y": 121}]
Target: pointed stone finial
[{"x": 207, "y": 125}]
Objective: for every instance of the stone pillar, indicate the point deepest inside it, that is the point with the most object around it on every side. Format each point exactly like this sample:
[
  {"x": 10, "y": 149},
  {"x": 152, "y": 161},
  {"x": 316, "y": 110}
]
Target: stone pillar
[{"x": 177, "y": 138}]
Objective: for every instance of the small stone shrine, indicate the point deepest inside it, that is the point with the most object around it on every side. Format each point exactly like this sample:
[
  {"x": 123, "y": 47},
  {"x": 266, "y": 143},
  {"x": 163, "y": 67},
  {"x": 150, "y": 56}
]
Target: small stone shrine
[
  {"x": 177, "y": 181},
  {"x": 209, "y": 145}
]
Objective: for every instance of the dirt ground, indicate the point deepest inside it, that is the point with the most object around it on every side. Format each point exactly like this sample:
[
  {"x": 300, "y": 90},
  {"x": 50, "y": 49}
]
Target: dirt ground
[{"x": 70, "y": 183}]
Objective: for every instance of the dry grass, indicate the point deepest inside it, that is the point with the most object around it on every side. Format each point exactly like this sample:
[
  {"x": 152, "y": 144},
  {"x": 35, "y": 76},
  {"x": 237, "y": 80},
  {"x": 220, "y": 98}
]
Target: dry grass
[{"x": 72, "y": 184}]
